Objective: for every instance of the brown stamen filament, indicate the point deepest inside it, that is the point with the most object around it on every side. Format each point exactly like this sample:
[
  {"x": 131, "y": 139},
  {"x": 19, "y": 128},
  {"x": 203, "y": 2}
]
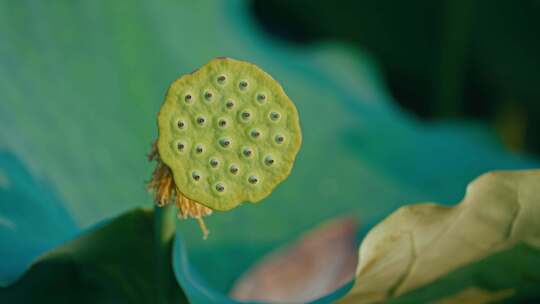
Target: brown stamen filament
[{"x": 165, "y": 192}]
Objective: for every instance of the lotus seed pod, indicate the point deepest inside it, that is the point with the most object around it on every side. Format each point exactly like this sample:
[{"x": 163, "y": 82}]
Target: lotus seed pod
[{"x": 228, "y": 134}]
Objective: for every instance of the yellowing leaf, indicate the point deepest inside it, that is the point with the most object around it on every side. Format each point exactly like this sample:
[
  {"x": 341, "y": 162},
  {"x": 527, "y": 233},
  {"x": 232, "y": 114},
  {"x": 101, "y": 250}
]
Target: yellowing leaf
[{"x": 418, "y": 244}]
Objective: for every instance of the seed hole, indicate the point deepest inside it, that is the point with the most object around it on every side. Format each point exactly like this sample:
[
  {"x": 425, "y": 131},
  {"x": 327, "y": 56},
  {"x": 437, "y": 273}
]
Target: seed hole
[
  {"x": 195, "y": 175},
  {"x": 233, "y": 169},
  {"x": 253, "y": 179},
  {"x": 225, "y": 142},
  {"x": 181, "y": 124},
  {"x": 255, "y": 133},
  {"x": 261, "y": 98},
  {"x": 229, "y": 104},
  {"x": 199, "y": 149},
  {"x": 188, "y": 98},
  {"x": 220, "y": 187},
  {"x": 269, "y": 160},
  {"x": 248, "y": 152},
  {"x": 243, "y": 84},
  {"x": 221, "y": 79},
  {"x": 280, "y": 139},
  {"x": 222, "y": 123},
  {"x": 214, "y": 163},
  {"x": 246, "y": 115},
  {"x": 180, "y": 146},
  {"x": 208, "y": 96},
  {"x": 201, "y": 120},
  {"x": 275, "y": 116}
]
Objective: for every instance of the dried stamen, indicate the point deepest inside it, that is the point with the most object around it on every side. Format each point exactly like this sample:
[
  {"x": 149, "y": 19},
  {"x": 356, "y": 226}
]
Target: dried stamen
[{"x": 165, "y": 192}]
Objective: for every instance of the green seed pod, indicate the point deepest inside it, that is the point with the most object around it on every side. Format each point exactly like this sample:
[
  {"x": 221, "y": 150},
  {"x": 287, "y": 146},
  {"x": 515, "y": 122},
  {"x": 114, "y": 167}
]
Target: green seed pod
[{"x": 228, "y": 133}]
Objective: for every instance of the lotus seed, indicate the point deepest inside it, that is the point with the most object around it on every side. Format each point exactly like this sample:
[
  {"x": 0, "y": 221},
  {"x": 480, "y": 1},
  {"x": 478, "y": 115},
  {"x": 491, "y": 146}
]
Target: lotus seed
[
  {"x": 220, "y": 187},
  {"x": 188, "y": 98},
  {"x": 229, "y": 104},
  {"x": 274, "y": 116},
  {"x": 261, "y": 98},
  {"x": 208, "y": 96},
  {"x": 225, "y": 142},
  {"x": 199, "y": 149},
  {"x": 222, "y": 123},
  {"x": 214, "y": 163},
  {"x": 255, "y": 133},
  {"x": 201, "y": 120},
  {"x": 221, "y": 79},
  {"x": 253, "y": 179},
  {"x": 247, "y": 152},
  {"x": 246, "y": 115},
  {"x": 180, "y": 146},
  {"x": 243, "y": 84},
  {"x": 233, "y": 169},
  {"x": 269, "y": 161},
  {"x": 195, "y": 175},
  {"x": 181, "y": 124},
  {"x": 280, "y": 139}
]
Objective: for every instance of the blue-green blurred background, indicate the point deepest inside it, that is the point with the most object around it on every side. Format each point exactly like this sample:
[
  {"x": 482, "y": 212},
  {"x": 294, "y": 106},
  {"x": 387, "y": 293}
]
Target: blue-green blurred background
[{"x": 400, "y": 102}]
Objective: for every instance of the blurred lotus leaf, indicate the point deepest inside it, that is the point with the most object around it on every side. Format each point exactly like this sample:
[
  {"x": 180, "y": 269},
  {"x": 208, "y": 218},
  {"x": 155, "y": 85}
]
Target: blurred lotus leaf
[
  {"x": 313, "y": 266},
  {"x": 32, "y": 218},
  {"x": 111, "y": 263},
  {"x": 419, "y": 244},
  {"x": 81, "y": 83}
]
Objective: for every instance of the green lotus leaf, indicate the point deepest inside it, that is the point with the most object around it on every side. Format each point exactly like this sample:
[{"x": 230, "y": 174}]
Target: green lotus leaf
[{"x": 110, "y": 263}]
